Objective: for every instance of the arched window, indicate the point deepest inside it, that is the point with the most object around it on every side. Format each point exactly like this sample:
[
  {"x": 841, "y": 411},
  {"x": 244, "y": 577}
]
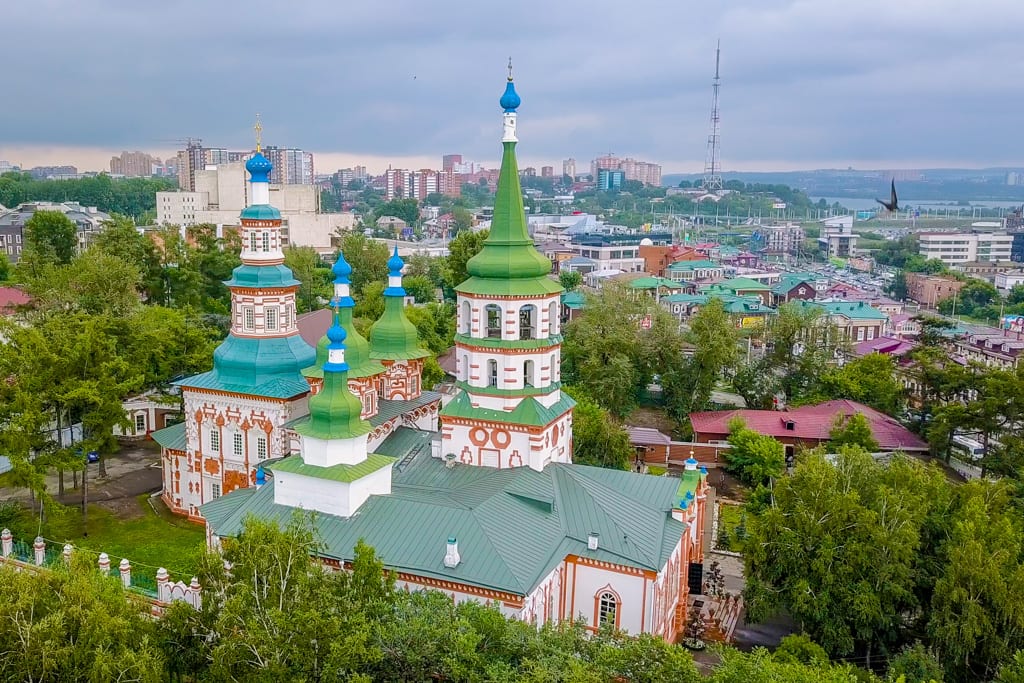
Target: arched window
[
  {"x": 553, "y": 318},
  {"x": 555, "y": 371},
  {"x": 528, "y": 322},
  {"x": 492, "y": 373},
  {"x": 528, "y": 374},
  {"x": 607, "y": 608},
  {"x": 464, "y": 371},
  {"x": 467, "y": 318},
  {"x": 493, "y": 312}
]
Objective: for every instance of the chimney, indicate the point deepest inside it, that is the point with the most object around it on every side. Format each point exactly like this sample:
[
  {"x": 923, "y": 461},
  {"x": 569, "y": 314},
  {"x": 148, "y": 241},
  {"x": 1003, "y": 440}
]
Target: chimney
[
  {"x": 451, "y": 553},
  {"x": 592, "y": 538}
]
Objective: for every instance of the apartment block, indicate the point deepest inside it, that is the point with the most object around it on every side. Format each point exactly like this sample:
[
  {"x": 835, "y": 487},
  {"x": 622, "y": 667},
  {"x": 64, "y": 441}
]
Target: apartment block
[{"x": 953, "y": 248}]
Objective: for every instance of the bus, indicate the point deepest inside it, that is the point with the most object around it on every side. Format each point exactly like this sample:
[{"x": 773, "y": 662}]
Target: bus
[{"x": 973, "y": 450}]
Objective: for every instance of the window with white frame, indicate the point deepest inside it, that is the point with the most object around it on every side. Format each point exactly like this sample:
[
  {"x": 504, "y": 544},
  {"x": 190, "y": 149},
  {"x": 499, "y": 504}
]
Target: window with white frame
[
  {"x": 248, "y": 318},
  {"x": 607, "y": 606},
  {"x": 215, "y": 490},
  {"x": 239, "y": 446},
  {"x": 140, "y": 422},
  {"x": 271, "y": 313},
  {"x": 860, "y": 334},
  {"x": 261, "y": 447},
  {"x": 215, "y": 439},
  {"x": 253, "y": 241},
  {"x": 266, "y": 240}
]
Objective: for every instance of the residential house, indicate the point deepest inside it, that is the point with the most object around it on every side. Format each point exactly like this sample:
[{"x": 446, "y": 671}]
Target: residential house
[
  {"x": 855, "y": 320},
  {"x": 742, "y": 286},
  {"x": 1009, "y": 279},
  {"x": 658, "y": 257},
  {"x": 795, "y": 286},
  {"x": 696, "y": 271},
  {"x": 929, "y": 290},
  {"x": 806, "y": 426},
  {"x": 572, "y": 305},
  {"x": 992, "y": 350}
]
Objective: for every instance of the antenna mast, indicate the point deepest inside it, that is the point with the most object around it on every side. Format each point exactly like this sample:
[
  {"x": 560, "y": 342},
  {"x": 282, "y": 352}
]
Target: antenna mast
[{"x": 712, "y": 181}]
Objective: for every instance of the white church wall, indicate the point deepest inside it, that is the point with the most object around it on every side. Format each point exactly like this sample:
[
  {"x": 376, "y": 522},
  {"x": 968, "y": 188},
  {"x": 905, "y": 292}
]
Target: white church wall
[
  {"x": 328, "y": 496},
  {"x": 588, "y": 582},
  {"x": 328, "y": 452}
]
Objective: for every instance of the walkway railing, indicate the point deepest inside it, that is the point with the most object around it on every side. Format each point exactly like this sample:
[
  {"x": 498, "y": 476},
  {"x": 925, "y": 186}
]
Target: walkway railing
[{"x": 155, "y": 586}]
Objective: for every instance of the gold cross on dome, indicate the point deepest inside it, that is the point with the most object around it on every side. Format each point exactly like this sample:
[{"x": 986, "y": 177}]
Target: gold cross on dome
[
  {"x": 259, "y": 133},
  {"x": 510, "y": 68}
]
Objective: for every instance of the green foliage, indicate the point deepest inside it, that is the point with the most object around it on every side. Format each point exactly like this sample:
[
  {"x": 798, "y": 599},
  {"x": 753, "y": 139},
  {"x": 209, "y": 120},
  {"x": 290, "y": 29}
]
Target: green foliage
[
  {"x": 369, "y": 259},
  {"x": 688, "y": 382},
  {"x": 435, "y": 324},
  {"x": 1013, "y": 670},
  {"x": 799, "y": 648},
  {"x": 755, "y": 458},
  {"x": 870, "y": 380},
  {"x": 597, "y": 438},
  {"x": 854, "y": 430},
  {"x": 128, "y": 196},
  {"x": 915, "y": 664},
  {"x": 465, "y": 246},
  {"x": 841, "y": 546},
  {"x": 74, "y": 624},
  {"x": 761, "y": 667},
  {"x": 50, "y": 238},
  {"x": 973, "y": 299},
  {"x": 420, "y": 287},
  {"x": 5, "y": 268},
  {"x": 315, "y": 276},
  {"x": 406, "y": 209},
  {"x": 570, "y": 280}
]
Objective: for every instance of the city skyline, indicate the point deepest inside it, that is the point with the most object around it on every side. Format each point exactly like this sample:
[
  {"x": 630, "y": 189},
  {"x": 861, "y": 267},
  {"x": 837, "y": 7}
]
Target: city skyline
[{"x": 804, "y": 85}]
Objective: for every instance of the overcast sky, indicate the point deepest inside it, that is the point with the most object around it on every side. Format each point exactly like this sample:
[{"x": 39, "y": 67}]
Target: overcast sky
[{"x": 805, "y": 83}]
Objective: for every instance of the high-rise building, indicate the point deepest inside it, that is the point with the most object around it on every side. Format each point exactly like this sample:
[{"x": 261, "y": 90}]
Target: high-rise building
[
  {"x": 569, "y": 168},
  {"x": 132, "y": 164},
  {"x": 190, "y": 160},
  {"x": 450, "y": 161},
  {"x": 610, "y": 180},
  {"x": 291, "y": 166},
  {"x": 642, "y": 171},
  {"x": 547, "y": 171}
]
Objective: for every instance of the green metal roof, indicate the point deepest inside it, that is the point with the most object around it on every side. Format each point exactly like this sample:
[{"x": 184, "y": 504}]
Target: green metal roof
[
  {"x": 685, "y": 298},
  {"x": 573, "y": 300},
  {"x": 493, "y": 342},
  {"x": 654, "y": 283},
  {"x": 528, "y": 412},
  {"x": 343, "y": 473},
  {"x": 394, "y": 337},
  {"x": 522, "y": 287},
  {"x": 172, "y": 437},
  {"x": 555, "y": 510},
  {"x": 263, "y": 366},
  {"x": 334, "y": 411},
  {"x": 357, "y": 352},
  {"x": 741, "y": 284},
  {"x": 405, "y": 441},
  {"x": 261, "y": 212},
  {"x": 789, "y": 281},
  {"x": 690, "y": 266},
  {"x": 854, "y": 310},
  {"x": 262, "y": 276},
  {"x": 508, "y": 252}
]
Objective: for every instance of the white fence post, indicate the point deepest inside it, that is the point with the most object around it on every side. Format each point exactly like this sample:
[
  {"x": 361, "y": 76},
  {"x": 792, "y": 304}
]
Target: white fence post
[
  {"x": 162, "y": 587},
  {"x": 105, "y": 563},
  {"x": 67, "y": 553},
  {"x": 39, "y": 549},
  {"x": 7, "y": 542},
  {"x": 125, "y": 568}
]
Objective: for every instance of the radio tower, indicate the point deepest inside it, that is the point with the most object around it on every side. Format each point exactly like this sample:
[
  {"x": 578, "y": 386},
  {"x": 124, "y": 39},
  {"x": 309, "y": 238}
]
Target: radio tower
[{"x": 712, "y": 165}]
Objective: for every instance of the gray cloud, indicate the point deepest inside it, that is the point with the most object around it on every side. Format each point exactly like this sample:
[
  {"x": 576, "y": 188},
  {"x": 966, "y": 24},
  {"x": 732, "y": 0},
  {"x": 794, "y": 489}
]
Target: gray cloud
[{"x": 805, "y": 82}]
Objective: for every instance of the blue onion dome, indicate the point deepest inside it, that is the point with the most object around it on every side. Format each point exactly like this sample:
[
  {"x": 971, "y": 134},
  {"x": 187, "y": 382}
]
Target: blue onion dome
[
  {"x": 259, "y": 168},
  {"x": 336, "y": 333},
  {"x": 341, "y": 270},
  {"x": 510, "y": 100},
  {"x": 395, "y": 263}
]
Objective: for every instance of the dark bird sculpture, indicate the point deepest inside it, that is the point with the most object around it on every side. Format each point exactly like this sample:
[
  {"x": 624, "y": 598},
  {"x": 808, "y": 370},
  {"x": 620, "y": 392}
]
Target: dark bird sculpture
[{"x": 893, "y": 203}]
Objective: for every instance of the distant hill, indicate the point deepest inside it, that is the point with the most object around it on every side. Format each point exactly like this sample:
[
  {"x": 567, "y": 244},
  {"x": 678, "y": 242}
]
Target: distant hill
[{"x": 947, "y": 184}]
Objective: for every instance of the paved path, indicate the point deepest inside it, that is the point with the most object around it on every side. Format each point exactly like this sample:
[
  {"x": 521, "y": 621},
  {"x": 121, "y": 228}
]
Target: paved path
[{"x": 132, "y": 471}]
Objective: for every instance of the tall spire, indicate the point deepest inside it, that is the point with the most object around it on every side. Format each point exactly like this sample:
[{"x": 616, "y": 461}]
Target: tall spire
[
  {"x": 508, "y": 253},
  {"x": 334, "y": 411},
  {"x": 394, "y": 337},
  {"x": 258, "y": 129}
]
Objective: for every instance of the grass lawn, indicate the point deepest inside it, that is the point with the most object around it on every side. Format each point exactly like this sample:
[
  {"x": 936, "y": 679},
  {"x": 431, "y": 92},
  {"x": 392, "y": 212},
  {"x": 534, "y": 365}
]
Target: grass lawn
[
  {"x": 729, "y": 517},
  {"x": 144, "y": 536}
]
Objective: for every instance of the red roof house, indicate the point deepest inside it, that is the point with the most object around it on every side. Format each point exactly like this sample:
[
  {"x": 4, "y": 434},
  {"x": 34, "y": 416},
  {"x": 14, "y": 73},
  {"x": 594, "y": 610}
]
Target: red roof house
[
  {"x": 807, "y": 426},
  {"x": 11, "y": 298}
]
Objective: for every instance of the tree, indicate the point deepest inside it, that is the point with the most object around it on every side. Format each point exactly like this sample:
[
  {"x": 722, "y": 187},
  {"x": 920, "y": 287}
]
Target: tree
[
  {"x": 214, "y": 258},
  {"x": 760, "y": 666},
  {"x": 915, "y": 664},
  {"x": 798, "y": 648},
  {"x": 420, "y": 288},
  {"x": 74, "y": 623},
  {"x": 570, "y": 280},
  {"x": 463, "y": 220},
  {"x": 465, "y": 246},
  {"x": 369, "y": 259},
  {"x": 598, "y": 439},
  {"x": 870, "y": 380},
  {"x": 854, "y": 430},
  {"x": 316, "y": 279},
  {"x": 802, "y": 344},
  {"x": 757, "y": 383},
  {"x": 51, "y": 237},
  {"x": 689, "y": 382},
  {"x": 1013, "y": 670},
  {"x": 839, "y": 545},
  {"x": 120, "y": 238},
  {"x": 975, "y": 623},
  {"x": 755, "y": 458},
  {"x": 95, "y": 283},
  {"x": 5, "y": 268},
  {"x": 406, "y": 209}
]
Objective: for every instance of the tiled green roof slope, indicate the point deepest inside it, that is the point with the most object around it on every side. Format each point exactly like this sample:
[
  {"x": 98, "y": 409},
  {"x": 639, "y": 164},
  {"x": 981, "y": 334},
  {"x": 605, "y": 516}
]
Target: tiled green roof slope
[
  {"x": 261, "y": 212},
  {"x": 742, "y": 283},
  {"x": 334, "y": 411},
  {"x": 854, "y": 310},
  {"x": 262, "y": 276},
  {"x": 552, "y": 512},
  {"x": 357, "y": 352},
  {"x": 267, "y": 367},
  {"x": 343, "y": 473},
  {"x": 172, "y": 437},
  {"x": 508, "y": 263},
  {"x": 529, "y": 411},
  {"x": 394, "y": 337}
]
